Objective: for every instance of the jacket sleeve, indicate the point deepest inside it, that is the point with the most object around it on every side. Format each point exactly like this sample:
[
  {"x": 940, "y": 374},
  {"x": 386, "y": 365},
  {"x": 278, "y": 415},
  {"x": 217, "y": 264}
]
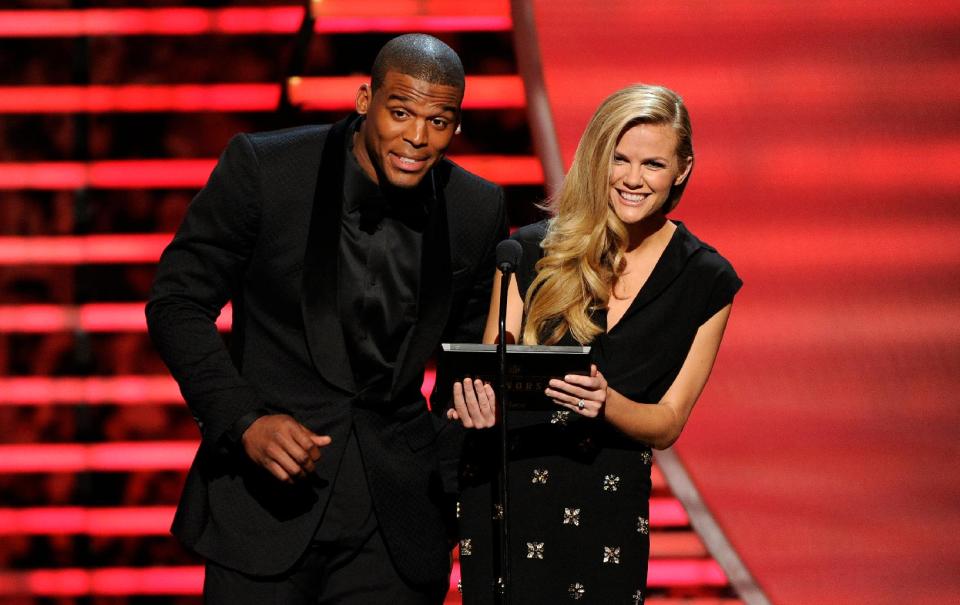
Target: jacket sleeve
[
  {"x": 469, "y": 317},
  {"x": 199, "y": 272}
]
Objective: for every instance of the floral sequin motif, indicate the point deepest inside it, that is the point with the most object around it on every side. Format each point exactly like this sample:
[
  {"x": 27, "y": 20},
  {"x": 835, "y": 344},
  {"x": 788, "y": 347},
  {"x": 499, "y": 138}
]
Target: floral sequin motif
[
  {"x": 611, "y": 554},
  {"x": 643, "y": 525},
  {"x": 571, "y": 516},
  {"x": 534, "y": 550},
  {"x": 576, "y": 591},
  {"x": 646, "y": 457},
  {"x": 638, "y": 598},
  {"x": 561, "y": 417},
  {"x": 460, "y": 586},
  {"x": 540, "y": 476},
  {"x": 611, "y": 483},
  {"x": 466, "y": 547},
  {"x": 497, "y": 512}
]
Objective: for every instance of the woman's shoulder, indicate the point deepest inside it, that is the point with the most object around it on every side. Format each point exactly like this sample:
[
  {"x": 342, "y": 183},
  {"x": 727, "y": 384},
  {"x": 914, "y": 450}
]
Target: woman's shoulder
[
  {"x": 531, "y": 234},
  {"x": 704, "y": 258}
]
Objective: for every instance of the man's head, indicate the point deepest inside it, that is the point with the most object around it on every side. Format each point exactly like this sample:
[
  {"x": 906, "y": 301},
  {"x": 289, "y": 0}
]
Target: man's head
[{"x": 412, "y": 109}]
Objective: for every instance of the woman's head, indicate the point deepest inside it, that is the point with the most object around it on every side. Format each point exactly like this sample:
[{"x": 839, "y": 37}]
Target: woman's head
[
  {"x": 641, "y": 121},
  {"x": 633, "y": 162}
]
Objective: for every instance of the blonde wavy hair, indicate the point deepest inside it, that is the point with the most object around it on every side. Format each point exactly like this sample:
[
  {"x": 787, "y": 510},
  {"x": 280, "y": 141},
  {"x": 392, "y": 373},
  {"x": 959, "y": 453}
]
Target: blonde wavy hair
[{"x": 585, "y": 241}]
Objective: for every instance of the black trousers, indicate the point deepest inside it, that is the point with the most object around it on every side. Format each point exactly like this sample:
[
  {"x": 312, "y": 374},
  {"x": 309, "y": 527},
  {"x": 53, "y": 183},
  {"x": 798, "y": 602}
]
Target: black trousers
[{"x": 347, "y": 562}]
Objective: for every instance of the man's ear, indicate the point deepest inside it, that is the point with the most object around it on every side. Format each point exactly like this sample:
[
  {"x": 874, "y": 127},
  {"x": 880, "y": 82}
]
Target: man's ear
[{"x": 363, "y": 99}]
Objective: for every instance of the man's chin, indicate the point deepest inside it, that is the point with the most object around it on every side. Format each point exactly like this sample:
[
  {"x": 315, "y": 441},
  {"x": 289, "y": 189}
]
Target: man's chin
[{"x": 405, "y": 180}]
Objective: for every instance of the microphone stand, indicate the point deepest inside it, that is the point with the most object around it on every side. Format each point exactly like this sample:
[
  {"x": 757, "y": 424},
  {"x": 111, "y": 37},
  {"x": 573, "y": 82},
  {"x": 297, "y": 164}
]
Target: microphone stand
[{"x": 501, "y": 589}]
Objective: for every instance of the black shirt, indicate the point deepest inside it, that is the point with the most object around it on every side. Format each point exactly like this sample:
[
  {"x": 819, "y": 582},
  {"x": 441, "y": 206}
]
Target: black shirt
[{"x": 381, "y": 241}]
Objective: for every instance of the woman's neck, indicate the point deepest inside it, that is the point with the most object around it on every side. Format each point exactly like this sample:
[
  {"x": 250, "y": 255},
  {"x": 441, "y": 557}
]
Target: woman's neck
[{"x": 648, "y": 233}]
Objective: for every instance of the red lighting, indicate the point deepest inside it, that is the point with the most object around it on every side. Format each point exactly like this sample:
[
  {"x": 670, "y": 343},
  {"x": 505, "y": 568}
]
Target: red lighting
[
  {"x": 155, "y": 520},
  {"x": 122, "y": 390},
  {"x": 238, "y": 20},
  {"x": 139, "y": 98},
  {"x": 100, "y": 457},
  {"x": 83, "y": 249},
  {"x": 132, "y": 521},
  {"x": 193, "y": 173},
  {"x": 188, "y": 580},
  {"x": 332, "y": 93},
  {"x": 94, "y": 317},
  {"x": 336, "y": 93}
]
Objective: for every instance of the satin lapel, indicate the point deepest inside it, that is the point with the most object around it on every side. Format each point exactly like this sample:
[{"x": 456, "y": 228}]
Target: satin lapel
[
  {"x": 436, "y": 291},
  {"x": 319, "y": 301}
]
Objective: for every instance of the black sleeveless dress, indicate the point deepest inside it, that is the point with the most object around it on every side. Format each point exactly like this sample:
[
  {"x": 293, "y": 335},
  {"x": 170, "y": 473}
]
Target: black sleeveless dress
[{"x": 579, "y": 489}]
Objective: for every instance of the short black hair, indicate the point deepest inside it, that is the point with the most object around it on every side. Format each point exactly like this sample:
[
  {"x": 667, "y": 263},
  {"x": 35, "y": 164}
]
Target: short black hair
[{"x": 420, "y": 56}]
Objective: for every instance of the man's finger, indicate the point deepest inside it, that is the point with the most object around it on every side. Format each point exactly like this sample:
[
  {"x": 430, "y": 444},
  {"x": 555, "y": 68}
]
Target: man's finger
[
  {"x": 460, "y": 405},
  {"x": 279, "y": 455},
  {"x": 321, "y": 440},
  {"x": 473, "y": 407},
  {"x": 302, "y": 438},
  {"x": 293, "y": 449},
  {"x": 277, "y": 471},
  {"x": 492, "y": 397}
]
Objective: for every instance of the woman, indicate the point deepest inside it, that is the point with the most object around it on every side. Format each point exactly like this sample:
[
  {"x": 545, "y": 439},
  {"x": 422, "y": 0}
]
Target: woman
[{"x": 612, "y": 271}]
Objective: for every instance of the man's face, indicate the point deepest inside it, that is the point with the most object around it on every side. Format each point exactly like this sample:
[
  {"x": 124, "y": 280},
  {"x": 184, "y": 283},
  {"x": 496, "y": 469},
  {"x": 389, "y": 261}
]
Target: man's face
[{"x": 409, "y": 125}]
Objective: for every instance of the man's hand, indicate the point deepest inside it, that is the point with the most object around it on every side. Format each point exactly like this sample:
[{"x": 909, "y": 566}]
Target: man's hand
[
  {"x": 474, "y": 404},
  {"x": 283, "y": 446}
]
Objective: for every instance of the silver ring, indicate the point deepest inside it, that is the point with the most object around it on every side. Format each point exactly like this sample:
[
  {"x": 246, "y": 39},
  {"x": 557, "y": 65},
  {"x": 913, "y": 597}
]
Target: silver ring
[{"x": 580, "y": 405}]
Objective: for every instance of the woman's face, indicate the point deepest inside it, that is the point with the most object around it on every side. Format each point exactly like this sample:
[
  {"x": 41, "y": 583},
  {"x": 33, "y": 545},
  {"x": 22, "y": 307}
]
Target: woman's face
[{"x": 644, "y": 168}]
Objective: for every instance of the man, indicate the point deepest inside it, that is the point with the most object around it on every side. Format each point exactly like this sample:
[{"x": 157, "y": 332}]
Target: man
[{"x": 348, "y": 252}]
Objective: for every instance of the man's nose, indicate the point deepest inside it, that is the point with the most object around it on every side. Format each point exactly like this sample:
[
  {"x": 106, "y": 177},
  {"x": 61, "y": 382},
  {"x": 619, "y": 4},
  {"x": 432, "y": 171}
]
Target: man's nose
[{"x": 416, "y": 133}]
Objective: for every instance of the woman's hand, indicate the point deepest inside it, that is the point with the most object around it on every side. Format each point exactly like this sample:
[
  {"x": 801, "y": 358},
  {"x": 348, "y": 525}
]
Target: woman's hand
[
  {"x": 474, "y": 404},
  {"x": 585, "y": 395}
]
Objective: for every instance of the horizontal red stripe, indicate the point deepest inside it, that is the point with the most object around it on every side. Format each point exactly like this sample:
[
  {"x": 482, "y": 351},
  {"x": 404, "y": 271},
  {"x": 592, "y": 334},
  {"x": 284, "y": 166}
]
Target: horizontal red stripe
[
  {"x": 333, "y": 17},
  {"x": 83, "y": 249},
  {"x": 173, "y": 455},
  {"x": 155, "y": 520},
  {"x": 130, "y": 521},
  {"x": 884, "y": 246},
  {"x": 189, "y": 580},
  {"x": 336, "y": 93},
  {"x": 101, "y": 457},
  {"x": 193, "y": 173},
  {"x": 95, "y": 317},
  {"x": 125, "y": 390},
  {"x": 196, "y": 21},
  {"x": 331, "y": 93},
  {"x": 139, "y": 98}
]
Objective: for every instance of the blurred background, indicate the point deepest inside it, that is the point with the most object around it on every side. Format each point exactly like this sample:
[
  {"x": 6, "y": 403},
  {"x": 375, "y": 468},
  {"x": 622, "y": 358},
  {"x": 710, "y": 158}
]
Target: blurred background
[{"x": 827, "y": 171}]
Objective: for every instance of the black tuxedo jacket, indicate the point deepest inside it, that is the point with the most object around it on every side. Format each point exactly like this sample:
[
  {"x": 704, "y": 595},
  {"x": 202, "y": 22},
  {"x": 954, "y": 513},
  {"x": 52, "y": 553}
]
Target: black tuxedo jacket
[{"x": 264, "y": 234}]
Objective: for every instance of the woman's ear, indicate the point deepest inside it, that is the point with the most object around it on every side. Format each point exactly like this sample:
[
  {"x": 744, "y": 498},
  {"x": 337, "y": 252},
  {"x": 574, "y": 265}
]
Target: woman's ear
[{"x": 688, "y": 166}]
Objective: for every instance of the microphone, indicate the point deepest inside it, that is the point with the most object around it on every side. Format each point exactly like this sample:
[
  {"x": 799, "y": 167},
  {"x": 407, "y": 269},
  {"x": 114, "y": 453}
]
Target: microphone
[{"x": 509, "y": 253}]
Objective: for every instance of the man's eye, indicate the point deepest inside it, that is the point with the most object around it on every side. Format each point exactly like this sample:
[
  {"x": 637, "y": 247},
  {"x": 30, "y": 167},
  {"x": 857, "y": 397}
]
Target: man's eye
[
  {"x": 440, "y": 123},
  {"x": 398, "y": 113}
]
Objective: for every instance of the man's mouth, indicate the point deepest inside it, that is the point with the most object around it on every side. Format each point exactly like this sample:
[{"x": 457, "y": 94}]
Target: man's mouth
[{"x": 407, "y": 163}]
